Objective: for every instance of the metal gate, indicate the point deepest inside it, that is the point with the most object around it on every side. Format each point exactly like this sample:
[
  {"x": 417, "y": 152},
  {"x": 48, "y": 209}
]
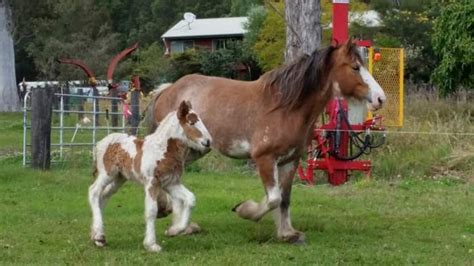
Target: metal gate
[
  {"x": 76, "y": 122},
  {"x": 388, "y": 72}
]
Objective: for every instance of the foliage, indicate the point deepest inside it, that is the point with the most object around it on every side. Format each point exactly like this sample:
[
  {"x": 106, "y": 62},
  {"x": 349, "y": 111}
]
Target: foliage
[
  {"x": 149, "y": 63},
  {"x": 218, "y": 63},
  {"x": 271, "y": 40},
  {"x": 453, "y": 41},
  {"x": 406, "y": 24},
  {"x": 93, "y": 30},
  {"x": 183, "y": 64},
  {"x": 227, "y": 62},
  {"x": 242, "y": 7},
  {"x": 413, "y": 30},
  {"x": 223, "y": 62},
  {"x": 89, "y": 38},
  {"x": 256, "y": 19}
]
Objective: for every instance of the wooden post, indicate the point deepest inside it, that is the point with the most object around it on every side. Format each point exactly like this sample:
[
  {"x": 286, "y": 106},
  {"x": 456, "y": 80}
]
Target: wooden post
[
  {"x": 80, "y": 104},
  {"x": 135, "y": 109},
  {"x": 114, "y": 107},
  {"x": 95, "y": 92},
  {"x": 41, "y": 111},
  {"x": 66, "y": 98}
]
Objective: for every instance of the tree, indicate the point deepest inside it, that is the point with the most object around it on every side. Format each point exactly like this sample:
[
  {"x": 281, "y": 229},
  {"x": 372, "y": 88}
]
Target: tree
[
  {"x": 88, "y": 37},
  {"x": 303, "y": 27},
  {"x": 270, "y": 45},
  {"x": 242, "y": 7},
  {"x": 9, "y": 100},
  {"x": 453, "y": 42}
]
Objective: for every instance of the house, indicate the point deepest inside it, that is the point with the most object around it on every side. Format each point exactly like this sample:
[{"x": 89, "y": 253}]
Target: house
[{"x": 207, "y": 33}]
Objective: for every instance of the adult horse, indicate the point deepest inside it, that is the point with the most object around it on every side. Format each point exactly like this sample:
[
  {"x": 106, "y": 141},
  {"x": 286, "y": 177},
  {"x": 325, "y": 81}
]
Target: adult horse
[{"x": 270, "y": 119}]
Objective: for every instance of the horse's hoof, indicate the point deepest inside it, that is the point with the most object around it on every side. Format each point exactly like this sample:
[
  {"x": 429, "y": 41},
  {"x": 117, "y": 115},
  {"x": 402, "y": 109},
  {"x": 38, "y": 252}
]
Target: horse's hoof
[
  {"x": 237, "y": 206},
  {"x": 153, "y": 248},
  {"x": 193, "y": 228},
  {"x": 99, "y": 241},
  {"x": 248, "y": 210},
  {"x": 296, "y": 238},
  {"x": 173, "y": 231}
]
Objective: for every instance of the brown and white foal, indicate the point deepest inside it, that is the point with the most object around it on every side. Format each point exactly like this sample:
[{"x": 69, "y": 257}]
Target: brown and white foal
[{"x": 157, "y": 161}]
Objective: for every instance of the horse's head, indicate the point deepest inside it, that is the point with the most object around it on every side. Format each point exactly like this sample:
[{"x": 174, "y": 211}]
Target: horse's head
[
  {"x": 350, "y": 78},
  {"x": 195, "y": 133}
]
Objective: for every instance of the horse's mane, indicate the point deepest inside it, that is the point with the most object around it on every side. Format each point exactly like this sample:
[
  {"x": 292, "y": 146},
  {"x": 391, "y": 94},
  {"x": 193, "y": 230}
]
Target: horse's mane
[{"x": 294, "y": 82}]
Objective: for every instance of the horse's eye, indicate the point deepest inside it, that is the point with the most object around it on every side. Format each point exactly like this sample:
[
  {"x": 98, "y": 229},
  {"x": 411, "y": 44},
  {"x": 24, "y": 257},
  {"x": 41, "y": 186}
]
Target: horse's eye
[{"x": 356, "y": 68}]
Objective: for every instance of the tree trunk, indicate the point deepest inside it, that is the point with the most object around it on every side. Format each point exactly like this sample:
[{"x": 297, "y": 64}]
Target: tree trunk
[
  {"x": 9, "y": 101},
  {"x": 303, "y": 27}
]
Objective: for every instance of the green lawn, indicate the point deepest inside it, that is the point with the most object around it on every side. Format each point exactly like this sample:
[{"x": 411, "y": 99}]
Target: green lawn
[
  {"x": 418, "y": 210},
  {"x": 45, "y": 220}
]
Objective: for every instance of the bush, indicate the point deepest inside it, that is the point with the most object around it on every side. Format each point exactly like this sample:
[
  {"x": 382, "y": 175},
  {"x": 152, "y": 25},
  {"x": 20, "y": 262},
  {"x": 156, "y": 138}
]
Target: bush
[{"x": 453, "y": 42}]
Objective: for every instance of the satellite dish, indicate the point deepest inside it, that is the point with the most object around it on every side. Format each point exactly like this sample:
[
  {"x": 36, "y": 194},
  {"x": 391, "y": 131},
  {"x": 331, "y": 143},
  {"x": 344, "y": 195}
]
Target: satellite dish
[{"x": 189, "y": 17}]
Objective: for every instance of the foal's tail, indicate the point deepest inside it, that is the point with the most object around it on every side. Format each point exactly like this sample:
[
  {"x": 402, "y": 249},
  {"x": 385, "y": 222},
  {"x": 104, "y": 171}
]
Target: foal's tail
[
  {"x": 148, "y": 120},
  {"x": 95, "y": 171}
]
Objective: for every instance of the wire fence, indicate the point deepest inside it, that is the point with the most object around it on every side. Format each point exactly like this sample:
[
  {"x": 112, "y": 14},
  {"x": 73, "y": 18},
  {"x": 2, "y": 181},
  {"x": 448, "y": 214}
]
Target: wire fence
[{"x": 78, "y": 121}]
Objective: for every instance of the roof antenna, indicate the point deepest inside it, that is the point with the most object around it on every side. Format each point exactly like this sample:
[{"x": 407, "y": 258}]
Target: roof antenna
[{"x": 189, "y": 17}]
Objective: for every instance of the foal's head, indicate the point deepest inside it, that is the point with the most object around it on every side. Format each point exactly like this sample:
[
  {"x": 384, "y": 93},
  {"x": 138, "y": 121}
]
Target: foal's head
[
  {"x": 350, "y": 78},
  {"x": 194, "y": 133}
]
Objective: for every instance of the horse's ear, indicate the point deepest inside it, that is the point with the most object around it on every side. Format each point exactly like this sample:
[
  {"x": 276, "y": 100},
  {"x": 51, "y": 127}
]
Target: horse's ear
[
  {"x": 183, "y": 111},
  {"x": 349, "y": 43}
]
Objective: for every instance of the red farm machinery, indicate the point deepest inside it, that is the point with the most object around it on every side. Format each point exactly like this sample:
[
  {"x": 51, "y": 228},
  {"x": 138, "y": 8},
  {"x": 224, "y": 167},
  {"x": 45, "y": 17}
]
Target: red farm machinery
[{"x": 344, "y": 134}]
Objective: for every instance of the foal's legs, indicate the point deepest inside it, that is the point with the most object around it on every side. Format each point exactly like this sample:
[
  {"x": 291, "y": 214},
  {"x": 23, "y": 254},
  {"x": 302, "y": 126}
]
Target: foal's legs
[
  {"x": 269, "y": 173},
  {"x": 183, "y": 201},
  {"x": 95, "y": 200},
  {"x": 110, "y": 189},
  {"x": 151, "y": 209},
  {"x": 285, "y": 230}
]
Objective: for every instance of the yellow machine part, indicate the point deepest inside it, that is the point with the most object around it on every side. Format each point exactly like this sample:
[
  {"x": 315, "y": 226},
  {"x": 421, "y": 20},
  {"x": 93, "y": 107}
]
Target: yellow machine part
[{"x": 389, "y": 72}]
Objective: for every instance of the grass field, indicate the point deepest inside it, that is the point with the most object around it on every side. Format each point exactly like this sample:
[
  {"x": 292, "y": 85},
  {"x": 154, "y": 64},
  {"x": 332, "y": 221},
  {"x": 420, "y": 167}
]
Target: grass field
[
  {"x": 45, "y": 220},
  {"x": 417, "y": 210}
]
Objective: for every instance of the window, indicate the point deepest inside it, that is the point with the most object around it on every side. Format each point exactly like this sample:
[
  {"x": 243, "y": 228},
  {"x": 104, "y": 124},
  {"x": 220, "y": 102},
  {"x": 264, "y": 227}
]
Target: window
[
  {"x": 223, "y": 43},
  {"x": 181, "y": 46},
  {"x": 188, "y": 45},
  {"x": 218, "y": 44}
]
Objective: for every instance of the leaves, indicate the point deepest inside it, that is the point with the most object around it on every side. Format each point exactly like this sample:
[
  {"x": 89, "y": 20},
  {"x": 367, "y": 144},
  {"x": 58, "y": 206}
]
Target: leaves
[
  {"x": 271, "y": 40},
  {"x": 453, "y": 42}
]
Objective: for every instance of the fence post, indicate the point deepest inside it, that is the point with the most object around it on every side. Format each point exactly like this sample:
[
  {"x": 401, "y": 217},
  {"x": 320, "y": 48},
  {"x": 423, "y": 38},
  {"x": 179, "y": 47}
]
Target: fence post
[
  {"x": 25, "y": 122},
  {"x": 41, "y": 111},
  {"x": 95, "y": 92},
  {"x": 135, "y": 118},
  {"x": 66, "y": 98},
  {"x": 80, "y": 104},
  {"x": 114, "y": 107},
  {"x": 61, "y": 124},
  {"x": 94, "y": 119}
]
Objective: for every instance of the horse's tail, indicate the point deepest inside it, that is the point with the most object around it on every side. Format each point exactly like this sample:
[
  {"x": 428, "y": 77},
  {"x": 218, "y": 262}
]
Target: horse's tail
[{"x": 148, "y": 115}]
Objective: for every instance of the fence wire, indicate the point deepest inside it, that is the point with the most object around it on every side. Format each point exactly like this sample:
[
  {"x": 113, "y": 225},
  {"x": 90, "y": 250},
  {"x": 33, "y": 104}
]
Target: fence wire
[{"x": 79, "y": 121}]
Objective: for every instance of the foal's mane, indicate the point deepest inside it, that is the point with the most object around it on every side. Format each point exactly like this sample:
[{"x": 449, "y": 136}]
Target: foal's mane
[{"x": 294, "y": 82}]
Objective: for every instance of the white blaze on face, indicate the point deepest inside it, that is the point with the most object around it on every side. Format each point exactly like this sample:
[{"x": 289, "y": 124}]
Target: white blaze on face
[
  {"x": 376, "y": 96},
  {"x": 206, "y": 136}
]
